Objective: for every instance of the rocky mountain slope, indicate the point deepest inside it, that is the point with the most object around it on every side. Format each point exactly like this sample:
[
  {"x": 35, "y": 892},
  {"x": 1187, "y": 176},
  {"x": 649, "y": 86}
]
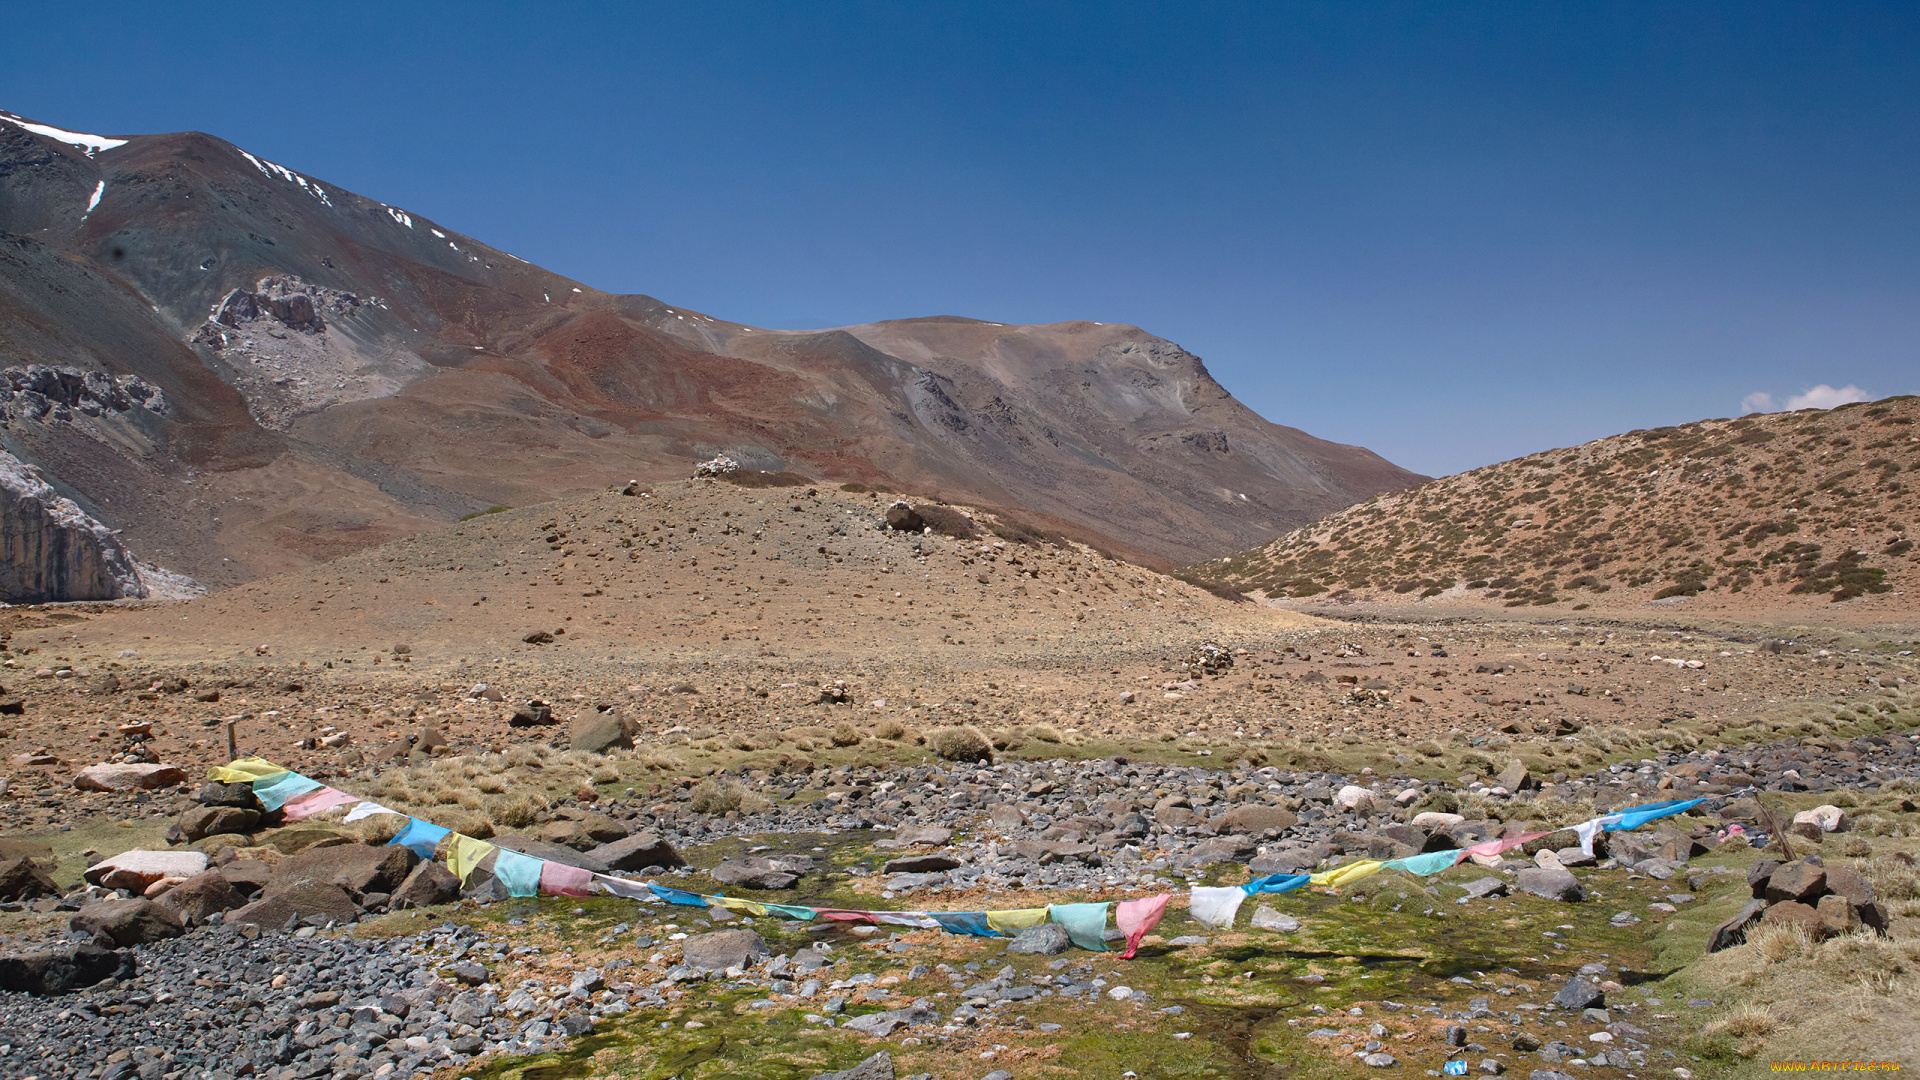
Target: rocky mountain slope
[
  {"x": 50, "y": 550},
  {"x": 1779, "y": 512},
  {"x": 319, "y": 372}
]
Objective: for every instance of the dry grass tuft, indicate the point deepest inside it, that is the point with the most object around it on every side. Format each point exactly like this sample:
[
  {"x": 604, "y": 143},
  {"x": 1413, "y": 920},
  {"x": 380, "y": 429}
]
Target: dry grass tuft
[
  {"x": 461, "y": 820},
  {"x": 960, "y": 744},
  {"x": 518, "y": 812},
  {"x": 845, "y": 734},
  {"x": 890, "y": 729},
  {"x": 1046, "y": 733},
  {"x": 717, "y": 795}
]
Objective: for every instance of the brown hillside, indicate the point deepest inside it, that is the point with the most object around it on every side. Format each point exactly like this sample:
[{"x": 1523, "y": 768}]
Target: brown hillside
[{"x": 1779, "y": 513}]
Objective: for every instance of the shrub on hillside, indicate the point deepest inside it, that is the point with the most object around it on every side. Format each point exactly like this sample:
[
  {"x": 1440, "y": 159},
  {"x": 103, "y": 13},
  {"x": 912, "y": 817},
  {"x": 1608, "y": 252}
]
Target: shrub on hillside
[{"x": 960, "y": 744}]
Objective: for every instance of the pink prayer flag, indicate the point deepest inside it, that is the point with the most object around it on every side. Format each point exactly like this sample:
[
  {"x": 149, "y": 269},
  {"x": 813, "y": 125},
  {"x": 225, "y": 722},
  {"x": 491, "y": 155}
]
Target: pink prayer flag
[
  {"x": 845, "y": 915},
  {"x": 559, "y": 879},
  {"x": 305, "y": 806},
  {"x": 1137, "y": 918},
  {"x": 1506, "y": 843}
]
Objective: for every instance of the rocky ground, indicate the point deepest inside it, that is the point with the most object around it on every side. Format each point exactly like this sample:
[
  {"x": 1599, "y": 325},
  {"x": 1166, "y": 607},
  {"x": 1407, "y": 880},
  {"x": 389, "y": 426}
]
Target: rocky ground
[{"x": 801, "y": 705}]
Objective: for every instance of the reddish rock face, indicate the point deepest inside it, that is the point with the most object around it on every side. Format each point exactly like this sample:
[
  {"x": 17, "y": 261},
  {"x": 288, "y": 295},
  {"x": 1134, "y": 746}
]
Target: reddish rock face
[
  {"x": 113, "y": 777},
  {"x": 136, "y": 870}
]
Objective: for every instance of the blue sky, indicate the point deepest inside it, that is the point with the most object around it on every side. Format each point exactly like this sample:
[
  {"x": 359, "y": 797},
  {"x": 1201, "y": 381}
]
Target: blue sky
[{"x": 1454, "y": 233}]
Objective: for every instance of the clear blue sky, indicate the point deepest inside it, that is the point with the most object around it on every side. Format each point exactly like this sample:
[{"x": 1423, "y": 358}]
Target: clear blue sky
[{"x": 1452, "y": 232}]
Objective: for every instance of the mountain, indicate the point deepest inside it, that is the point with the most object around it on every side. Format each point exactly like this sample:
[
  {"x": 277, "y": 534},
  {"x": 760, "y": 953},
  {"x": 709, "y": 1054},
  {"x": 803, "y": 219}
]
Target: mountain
[
  {"x": 1774, "y": 513},
  {"x": 245, "y": 369}
]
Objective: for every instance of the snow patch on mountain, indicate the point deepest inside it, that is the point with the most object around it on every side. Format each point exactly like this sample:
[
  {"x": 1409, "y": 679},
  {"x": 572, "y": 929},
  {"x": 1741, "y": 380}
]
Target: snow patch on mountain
[
  {"x": 92, "y": 144},
  {"x": 98, "y": 190},
  {"x": 269, "y": 169}
]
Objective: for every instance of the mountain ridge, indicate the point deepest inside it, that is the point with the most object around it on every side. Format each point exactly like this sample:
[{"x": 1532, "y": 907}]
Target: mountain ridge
[
  {"x": 1771, "y": 513},
  {"x": 341, "y": 371}
]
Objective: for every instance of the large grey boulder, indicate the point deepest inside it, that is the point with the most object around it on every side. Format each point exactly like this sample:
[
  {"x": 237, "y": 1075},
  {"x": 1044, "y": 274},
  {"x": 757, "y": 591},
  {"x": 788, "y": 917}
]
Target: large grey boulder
[
  {"x": 63, "y": 970},
  {"x": 1552, "y": 884},
  {"x": 723, "y": 949},
  {"x": 597, "y": 733},
  {"x": 877, "y": 1067},
  {"x": 126, "y": 922},
  {"x": 429, "y": 884},
  {"x": 51, "y": 550},
  {"x": 637, "y": 852},
  {"x": 1046, "y": 939}
]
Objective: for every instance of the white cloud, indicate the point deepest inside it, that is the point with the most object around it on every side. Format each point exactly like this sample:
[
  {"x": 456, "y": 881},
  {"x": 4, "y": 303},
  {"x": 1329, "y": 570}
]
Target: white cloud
[
  {"x": 1826, "y": 397},
  {"x": 1815, "y": 397}
]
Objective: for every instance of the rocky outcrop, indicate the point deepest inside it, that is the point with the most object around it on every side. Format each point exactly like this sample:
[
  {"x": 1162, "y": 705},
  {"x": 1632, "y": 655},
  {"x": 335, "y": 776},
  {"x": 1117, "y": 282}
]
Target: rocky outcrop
[
  {"x": 51, "y": 550},
  {"x": 55, "y": 394}
]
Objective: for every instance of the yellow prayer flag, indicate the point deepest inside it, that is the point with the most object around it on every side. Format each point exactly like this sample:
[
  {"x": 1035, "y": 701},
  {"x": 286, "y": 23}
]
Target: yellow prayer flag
[
  {"x": 1018, "y": 919},
  {"x": 464, "y": 854},
  {"x": 1347, "y": 875},
  {"x": 244, "y": 771}
]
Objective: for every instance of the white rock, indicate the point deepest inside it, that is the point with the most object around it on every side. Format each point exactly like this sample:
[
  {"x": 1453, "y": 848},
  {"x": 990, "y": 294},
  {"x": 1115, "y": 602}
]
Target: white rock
[
  {"x": 1547, "y": 860},
  {"x": 1432, "y": 820},
  {"x": 1266, "y": 918},
  {"x": 1353, "y": 797},
  {"x": 1830, "y": 818},
  {"x": 136, "y": 870},
  {"x": 108, "y": 777},
  {"x": 1120, "y": 993}
]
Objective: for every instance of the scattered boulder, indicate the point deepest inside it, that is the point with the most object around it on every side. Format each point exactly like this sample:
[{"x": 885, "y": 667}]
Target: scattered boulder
[
  {"x": 1799, "y": 881},
  {"x": 1046, "y": 939},
  {"x": 249, "y": 876},
  {"x": 126, "y": 922},
  {"x": 882, "y": 1024},
  {"x": 532, "y": 714},
  {"x": 1255, "y": 820},
  {"x": 314, "y": 903},
  {"x": 1267, "y": 918},
  {"x": 936, "y": 835},
  {"x": 597, "y": 733},
  {"x": 202, "y": 895},
  {"x": 239, "y": 796},
  {"x": 877, "y": 1067},
  {"x": 135, "y": 870},
  {"x": 201, "y": 822},
  {"x": 360, "y": 867},
  {"x": 1217, "y": 850},
  {"x": 1552, "y": 884},
  {"x": 901, "y": 516},
  {"x": 753, "y": 873},
  {"x": 1514, "y": 777},
  {"x": 1734, "y": 931},
  {"x": 1579, "y": 994},
  {"x": 920, "y": 864},
  {"x": 430, "y": 883},
  {"x": 637, "y": 852},
  {"x": 1827, "y": 818},
  {"x": 23, "y": 879},
  {"x": 61, "y": 971},
  {"x": 1794, "y": 913},
  {"x": 723, "y": 949},
  {"x": 134, "y": 777},
  {"x": 1354, "y": 798},
  {"x": 1836, "y": 915}
]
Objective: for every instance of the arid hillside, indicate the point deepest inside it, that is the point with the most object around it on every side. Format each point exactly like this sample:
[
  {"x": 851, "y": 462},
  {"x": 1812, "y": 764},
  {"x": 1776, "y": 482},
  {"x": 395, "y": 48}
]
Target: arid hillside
[
  {"x": 1764, "y": 515},
  {"x": 248, "y": 370}
]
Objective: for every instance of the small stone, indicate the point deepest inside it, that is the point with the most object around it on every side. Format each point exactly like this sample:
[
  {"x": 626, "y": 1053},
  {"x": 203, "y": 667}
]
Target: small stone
[
  {"x": 1046, "y": 939},
  {"x": 1266, "y": 917},
  {"x": 1578, "y": 993}
]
